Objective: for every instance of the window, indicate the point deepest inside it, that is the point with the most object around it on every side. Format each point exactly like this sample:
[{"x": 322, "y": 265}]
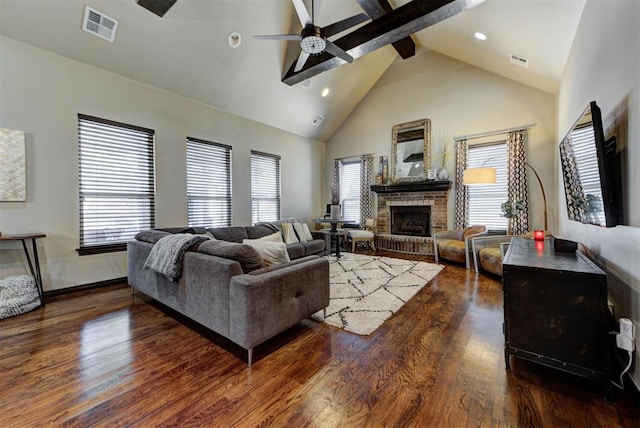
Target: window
[
  {"x": 208, "y": 183},
  {"x": 117, "y": 188},
  {"x": 485, "y": 200},
  {"x": 350, "y": 190},
  {"x": 265, "y": 187}
]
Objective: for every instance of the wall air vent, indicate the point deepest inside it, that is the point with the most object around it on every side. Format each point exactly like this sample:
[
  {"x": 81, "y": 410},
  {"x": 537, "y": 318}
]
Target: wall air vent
[
  {"x": 99, "y": 24},
  {"x": 317, "y": 120},
  {"x": 518, "y": 60}
]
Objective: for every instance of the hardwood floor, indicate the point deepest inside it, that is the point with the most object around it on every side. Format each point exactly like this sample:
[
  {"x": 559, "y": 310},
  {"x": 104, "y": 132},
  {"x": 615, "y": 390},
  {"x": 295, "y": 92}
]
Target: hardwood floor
[{"x": 103, "y": 358}]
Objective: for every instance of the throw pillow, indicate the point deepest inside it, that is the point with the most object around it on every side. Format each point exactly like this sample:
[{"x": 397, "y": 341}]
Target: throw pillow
[
  {"x": 289, "y": 234},
  {"x": 248, "y": 258},
  {"x": 300, "y": 232},
  {"x": 274, "y": 237},
  {"x": 272, "y": 253},
  {"x": 307, "y": 232}
]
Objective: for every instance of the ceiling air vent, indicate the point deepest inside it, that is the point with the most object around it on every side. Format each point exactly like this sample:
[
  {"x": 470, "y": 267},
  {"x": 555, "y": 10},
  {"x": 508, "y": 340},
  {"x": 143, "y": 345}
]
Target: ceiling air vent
[
  {"x": 317, "y": 120},
  {"x": 518, "y": 60},
  {"x": 99, "y": 24}
]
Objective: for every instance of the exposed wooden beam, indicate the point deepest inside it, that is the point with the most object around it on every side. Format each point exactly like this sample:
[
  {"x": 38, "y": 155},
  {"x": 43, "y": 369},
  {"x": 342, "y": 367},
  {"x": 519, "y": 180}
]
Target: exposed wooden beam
[
  {"x": 159, "y": 7},
  {"x": 394, "y": 26},
  {"x": 377, "y": 8}
]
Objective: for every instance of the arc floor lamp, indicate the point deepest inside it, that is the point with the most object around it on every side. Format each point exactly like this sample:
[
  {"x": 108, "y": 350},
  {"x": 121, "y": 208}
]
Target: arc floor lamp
[{"x": 487, "y": 175}]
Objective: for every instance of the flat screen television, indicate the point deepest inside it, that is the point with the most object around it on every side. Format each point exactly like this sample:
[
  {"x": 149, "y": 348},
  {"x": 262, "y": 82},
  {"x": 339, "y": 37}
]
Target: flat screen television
[{"x": 591, "y": 172}]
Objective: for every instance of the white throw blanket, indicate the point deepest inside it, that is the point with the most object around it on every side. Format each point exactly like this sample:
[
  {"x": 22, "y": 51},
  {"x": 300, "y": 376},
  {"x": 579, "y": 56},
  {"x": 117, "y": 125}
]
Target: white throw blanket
[{"x": 167, "y": 254}]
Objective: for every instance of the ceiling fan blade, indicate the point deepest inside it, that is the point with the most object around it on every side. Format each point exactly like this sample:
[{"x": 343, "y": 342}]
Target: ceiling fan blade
[
  {"x": 334, "y": 50},
  {"x": 301, "y": 10},
  {"x": 345, "y": 24},
  {"x": 302, "y": 59},
  {"x": 279, "y": 37}
]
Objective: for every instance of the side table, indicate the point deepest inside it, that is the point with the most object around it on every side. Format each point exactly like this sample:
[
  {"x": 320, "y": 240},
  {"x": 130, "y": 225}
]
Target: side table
[{"x": 35, "y": 273}]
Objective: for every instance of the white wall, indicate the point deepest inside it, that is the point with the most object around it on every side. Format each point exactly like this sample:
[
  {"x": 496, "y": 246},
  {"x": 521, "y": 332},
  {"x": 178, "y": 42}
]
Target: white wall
[
  {"x": 460, "y": 99},
  {"x": 604, "y": 66},
  {"x": 41, "y": 94}
]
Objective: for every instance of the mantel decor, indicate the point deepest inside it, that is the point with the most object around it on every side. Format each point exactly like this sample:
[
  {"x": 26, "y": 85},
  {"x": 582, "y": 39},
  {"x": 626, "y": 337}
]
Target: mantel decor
[{"x": 421, "y": 186}]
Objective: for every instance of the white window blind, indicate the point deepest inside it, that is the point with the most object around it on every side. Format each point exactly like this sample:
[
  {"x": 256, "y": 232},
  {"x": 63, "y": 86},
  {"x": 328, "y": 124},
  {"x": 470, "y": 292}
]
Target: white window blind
[
  {"x": 117, "y": 187},
  {"x": 208, "y": 183},
  {"x": 584, "y": 149},
  {"x": 265, "y": 187},
  {"x": 485, "y": 200},
  {"x": 350, "y": 191}
]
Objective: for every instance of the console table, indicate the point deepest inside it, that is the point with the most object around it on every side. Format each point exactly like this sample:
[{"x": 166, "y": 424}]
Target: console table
[
  {"x": 555, "y": 310},
  {"x": 35, "y": 273}
]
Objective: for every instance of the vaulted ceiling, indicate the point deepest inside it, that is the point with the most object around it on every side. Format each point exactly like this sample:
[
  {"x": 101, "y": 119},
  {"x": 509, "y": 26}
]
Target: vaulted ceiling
[{"x": 186, "y": 52}]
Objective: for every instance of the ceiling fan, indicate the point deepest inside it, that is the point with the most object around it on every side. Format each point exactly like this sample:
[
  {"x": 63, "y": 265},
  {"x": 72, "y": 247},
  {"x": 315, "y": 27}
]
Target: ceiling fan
[{"x": 313, "y": 39}]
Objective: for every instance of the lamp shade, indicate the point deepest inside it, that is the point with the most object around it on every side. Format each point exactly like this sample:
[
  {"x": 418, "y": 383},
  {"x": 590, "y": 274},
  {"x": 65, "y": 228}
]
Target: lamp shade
[{"x": 472, "y": 176}]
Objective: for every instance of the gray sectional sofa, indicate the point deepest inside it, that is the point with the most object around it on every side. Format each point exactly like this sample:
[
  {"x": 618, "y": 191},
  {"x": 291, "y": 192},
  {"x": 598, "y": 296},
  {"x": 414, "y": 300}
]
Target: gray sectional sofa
[{"x": 225, "y": 287}]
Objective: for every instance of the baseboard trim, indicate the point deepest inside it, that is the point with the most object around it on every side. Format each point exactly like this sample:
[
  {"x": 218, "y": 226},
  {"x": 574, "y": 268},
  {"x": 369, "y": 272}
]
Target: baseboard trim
[{"x": 85, "y": 287}]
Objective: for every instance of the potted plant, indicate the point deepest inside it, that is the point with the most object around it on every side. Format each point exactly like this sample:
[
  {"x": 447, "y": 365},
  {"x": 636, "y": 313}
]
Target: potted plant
[{"x": 511, "y": 210}]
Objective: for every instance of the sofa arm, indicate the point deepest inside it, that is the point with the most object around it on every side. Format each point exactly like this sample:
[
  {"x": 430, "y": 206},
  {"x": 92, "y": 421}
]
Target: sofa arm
[
  {"x": 264, "y": 305},
  {"x": 319, "y": 234}
]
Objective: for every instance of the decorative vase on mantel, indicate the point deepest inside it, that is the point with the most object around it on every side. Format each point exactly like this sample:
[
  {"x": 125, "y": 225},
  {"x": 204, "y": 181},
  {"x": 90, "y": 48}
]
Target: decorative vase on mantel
[{"x": 443, "y": 174}]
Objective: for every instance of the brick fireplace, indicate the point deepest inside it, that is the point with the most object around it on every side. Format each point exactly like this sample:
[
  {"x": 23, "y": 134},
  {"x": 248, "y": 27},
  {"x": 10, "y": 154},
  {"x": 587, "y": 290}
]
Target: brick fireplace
[{"x": 416, "y": 199}]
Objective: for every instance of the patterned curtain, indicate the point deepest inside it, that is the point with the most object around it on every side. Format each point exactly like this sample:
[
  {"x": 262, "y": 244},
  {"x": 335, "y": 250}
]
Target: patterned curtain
[
  {"x": 572, "y": 183},
  {"x": 517, "y": 188},
  {"x": 366, "y": 195},
  {"x": 335, "y": 190},
  {"x": 462, "y": 201}
]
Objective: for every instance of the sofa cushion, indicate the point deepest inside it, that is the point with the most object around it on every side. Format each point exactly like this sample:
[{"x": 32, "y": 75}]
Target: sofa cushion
[
  {"x": 230, "y": 234},
  {"x": 248, "y": 257},
  {"x": 295, "y": 251},
  {"x": 151, "y": 236},
  {"x": 313, "y": 247},
  {"x": 272, "y": 253},
  {"x": 260, "y": 230}
]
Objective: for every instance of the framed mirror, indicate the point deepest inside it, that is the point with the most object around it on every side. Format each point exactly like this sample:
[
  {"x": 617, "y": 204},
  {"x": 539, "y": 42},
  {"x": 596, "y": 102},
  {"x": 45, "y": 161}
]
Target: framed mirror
[{"x": 411, "y": 151}]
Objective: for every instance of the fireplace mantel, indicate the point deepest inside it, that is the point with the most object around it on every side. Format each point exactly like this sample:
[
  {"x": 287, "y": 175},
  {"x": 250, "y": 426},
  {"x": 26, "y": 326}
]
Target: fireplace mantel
[{"x": 423, "y": 186}]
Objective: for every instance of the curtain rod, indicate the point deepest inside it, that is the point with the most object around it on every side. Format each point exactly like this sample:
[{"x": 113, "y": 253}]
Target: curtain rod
[{"x": 500, "y": 131}]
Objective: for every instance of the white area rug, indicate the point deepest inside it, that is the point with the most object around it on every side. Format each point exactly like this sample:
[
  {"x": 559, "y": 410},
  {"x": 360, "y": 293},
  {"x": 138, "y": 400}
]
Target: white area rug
[{"x": 366, "y": 290}]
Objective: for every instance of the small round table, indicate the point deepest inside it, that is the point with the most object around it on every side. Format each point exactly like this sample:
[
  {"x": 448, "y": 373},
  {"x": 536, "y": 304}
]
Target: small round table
[{"x": 333, "y": 232}]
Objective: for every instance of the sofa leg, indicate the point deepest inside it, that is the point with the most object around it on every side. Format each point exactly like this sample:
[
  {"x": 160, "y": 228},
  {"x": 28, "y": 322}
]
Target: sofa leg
[
  {"x": 249, "y": 357},
  {"x": 324, "y": 314}
]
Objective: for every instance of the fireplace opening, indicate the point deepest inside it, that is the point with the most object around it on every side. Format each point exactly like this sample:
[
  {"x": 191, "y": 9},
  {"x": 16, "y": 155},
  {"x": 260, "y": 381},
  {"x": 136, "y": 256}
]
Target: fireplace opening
[{"x": 414, "y": 220}]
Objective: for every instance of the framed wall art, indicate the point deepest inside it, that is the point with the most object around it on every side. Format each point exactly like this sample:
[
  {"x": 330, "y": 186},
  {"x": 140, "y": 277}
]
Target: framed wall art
[{"x": 13, "y": 166}]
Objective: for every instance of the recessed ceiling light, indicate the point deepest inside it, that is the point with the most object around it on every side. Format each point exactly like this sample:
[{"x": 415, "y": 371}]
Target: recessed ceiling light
[
  {"x": 234, "y": 39},
  {"x": 480, "y": 36},
  {"x": 325, "y": 92}
]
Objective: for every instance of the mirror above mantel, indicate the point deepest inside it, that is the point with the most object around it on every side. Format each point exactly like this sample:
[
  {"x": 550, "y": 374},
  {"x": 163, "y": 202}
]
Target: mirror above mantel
[{"x": 410, "y": 151}]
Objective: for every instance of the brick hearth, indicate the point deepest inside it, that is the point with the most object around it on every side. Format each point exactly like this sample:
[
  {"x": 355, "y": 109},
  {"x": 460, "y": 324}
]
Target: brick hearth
[{"x": 436, "y": 199}]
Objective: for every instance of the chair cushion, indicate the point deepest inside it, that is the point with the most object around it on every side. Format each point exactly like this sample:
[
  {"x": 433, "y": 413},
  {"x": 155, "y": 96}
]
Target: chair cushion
[
  {"x": 452, "y": 249},
  {"x": 472, "y": 230},
  {"x": 360, "y": 234},
  {"x": 491, "y": 260}
]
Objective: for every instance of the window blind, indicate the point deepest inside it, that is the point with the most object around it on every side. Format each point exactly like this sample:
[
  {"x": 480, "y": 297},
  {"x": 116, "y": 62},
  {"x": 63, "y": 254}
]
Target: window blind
[
  {"x": 116, "y": 183},
  {"x": 350, "y": 191},
  {"x": 485, "y": 200},
  {"x": 584, "y": 149},
  {"x": 208, "y": 183},
  {"x": 265, "y": 187}
]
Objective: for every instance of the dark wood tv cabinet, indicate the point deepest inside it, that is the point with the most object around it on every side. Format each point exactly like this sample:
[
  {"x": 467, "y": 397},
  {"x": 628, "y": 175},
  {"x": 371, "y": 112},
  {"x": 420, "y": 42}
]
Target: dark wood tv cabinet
[{"x": 555, "y": 310}]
